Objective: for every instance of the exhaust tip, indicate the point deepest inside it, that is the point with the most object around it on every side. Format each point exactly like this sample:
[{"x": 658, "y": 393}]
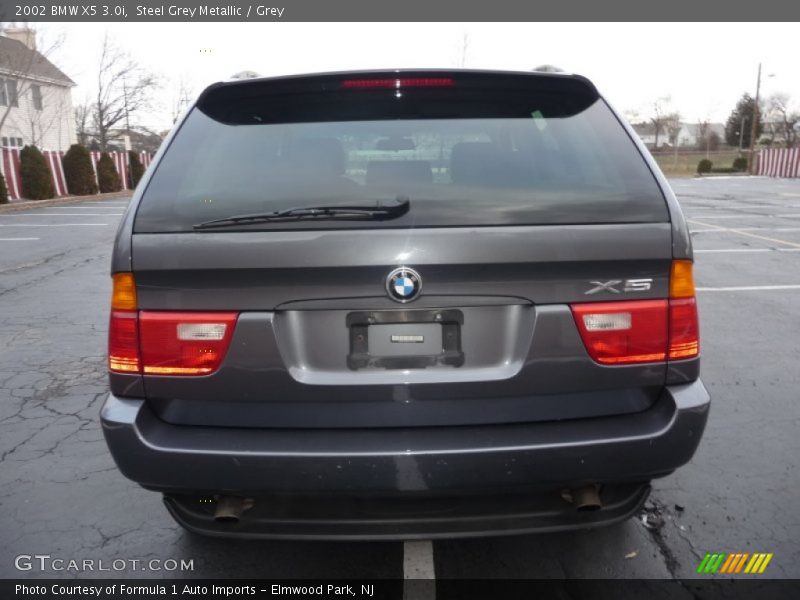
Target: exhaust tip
[
  {"x": 585, "y": 499},
  {"x": 226, "y": 518},
  {"x": 230, "y": 508}
]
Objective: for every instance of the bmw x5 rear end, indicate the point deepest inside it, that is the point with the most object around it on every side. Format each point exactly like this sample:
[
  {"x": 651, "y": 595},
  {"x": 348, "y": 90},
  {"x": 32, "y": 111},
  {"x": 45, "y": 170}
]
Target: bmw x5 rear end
[{"x": 402, "y": 304}]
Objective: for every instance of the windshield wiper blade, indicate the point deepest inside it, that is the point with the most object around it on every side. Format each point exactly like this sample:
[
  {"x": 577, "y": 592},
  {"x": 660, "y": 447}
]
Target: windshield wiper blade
[{"x": 374, "y": 212}]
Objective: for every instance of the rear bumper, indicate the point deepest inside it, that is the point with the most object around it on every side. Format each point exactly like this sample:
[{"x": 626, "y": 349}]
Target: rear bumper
[
  {"x": 412, "y": 517},
  {"x": 488, "y": 469}
]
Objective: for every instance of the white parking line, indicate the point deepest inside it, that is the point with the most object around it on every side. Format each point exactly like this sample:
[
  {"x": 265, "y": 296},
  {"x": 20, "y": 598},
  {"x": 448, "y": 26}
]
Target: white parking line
[
  {"x": 418, "y": 560},
  {"x": 713, "y": 178},
  {"x": 53, "y": 224},
  {"x": 742, "y": 216},
  {"x": 26, "y": 239},
  {"x": 62, "y": 215},
  {"x": 104, "y": 207},
  {"x": 724, "y": 229},
  {"x": 725, "y": 250},
  {"x": 748, "y": 288},
  {"x": 747, "y": 216},
  {"x": 745, "y": 233}
]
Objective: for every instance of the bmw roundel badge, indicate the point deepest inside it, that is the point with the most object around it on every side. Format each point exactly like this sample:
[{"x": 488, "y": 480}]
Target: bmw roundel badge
[{"x": 403, "y": 284}]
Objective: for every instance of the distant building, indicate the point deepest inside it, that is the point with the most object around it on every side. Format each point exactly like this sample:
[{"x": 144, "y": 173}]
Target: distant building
[
  {"x": 647, "y": 133},
  {"x": 245, "y": 75},
  {"x": 139, "y": 139},
  {"x": 688, "y": 136},
  {"x": 35, "y": 95}
]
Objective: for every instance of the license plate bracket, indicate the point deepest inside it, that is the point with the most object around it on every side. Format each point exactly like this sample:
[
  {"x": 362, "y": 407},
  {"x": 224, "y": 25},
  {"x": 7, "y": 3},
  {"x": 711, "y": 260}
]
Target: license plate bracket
[{"x": 359, "y": 323}]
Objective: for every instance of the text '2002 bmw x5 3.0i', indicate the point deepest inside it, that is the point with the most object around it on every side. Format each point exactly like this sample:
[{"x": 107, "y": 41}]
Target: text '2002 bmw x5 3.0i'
[{"x": 402, "y": 304}]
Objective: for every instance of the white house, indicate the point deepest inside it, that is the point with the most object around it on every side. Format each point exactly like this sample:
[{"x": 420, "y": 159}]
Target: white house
[
  {"x": 647, "y": 133},
  {"x": 690, "y": 134},
  {"x": 35, "y": 95},
  {"x": 687, "y": 136}
]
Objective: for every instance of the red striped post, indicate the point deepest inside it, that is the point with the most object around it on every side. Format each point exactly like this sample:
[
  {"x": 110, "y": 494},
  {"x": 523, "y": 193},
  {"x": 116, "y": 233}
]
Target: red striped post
[
  {"x": 95, "y": 156},
  {"x": 11, "y": 172},
  {"x": 57, "y": 174},
  {"x": 779, "y": 162},
  {"x": 121, "y": 163}
]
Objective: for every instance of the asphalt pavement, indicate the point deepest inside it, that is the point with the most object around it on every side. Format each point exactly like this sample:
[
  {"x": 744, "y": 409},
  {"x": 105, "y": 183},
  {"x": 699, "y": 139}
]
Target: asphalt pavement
[{"x": 61, "y": 495}]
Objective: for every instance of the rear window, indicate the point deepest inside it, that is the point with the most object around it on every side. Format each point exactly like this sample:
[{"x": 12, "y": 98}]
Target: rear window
[{"x": 521, "y": 150}]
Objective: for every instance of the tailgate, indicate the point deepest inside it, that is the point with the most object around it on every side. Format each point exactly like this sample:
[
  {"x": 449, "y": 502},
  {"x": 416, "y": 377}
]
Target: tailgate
[{"x": 506, "y": 290}]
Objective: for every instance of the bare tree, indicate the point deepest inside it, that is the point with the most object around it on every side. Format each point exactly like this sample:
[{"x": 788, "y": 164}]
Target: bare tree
[
  {"x": 50, "y": 115},
  {"x": 661, "y": 117},
  {"x": 702, "y": 131},
  {"x": 83, "y": 116},
  {"x": 123, "y": 89},
  {"x": 672, "y": 124},
  {"x": 181, "y": 99},
  {"x": 705, "y": 137},
  {"x": 782, "y": 119}
]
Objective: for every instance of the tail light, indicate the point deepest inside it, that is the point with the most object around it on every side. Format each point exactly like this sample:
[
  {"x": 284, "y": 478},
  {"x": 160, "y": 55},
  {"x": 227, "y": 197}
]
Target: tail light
[
  {"x": 123, "y": 342},
  {"x": 684, "y": 331},
  {"x": 164, "y": 343},
  {"x": 397, "y": 83},
  {"x": 176, "y": 343},
  {"x": 623, "y": 332},
  {"x": 123, "y": 328},
  {"x": 684, "y": 338},
  {"x": 642, "y": 331}
]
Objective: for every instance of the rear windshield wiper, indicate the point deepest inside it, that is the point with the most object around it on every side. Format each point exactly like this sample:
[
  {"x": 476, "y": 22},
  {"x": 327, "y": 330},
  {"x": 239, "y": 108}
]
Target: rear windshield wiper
[{"x": 373, "y": 212}]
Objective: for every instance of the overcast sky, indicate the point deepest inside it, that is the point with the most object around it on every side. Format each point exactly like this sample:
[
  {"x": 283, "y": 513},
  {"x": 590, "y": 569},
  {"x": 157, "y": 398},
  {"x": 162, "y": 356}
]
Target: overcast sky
[{"x": 704, "y": 67}]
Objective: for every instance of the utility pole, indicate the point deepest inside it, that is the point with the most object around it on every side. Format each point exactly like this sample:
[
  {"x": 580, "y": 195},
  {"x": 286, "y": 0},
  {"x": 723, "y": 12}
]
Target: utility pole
[
  {"x": 127, "y": 136},
  {"x": 741, "y": 132},
  {"x": 125, "y": 100},
  {"x": 464, "y": 46},
  {"x": 676, "y": 142},
  {"x": 751, "y": 163}
]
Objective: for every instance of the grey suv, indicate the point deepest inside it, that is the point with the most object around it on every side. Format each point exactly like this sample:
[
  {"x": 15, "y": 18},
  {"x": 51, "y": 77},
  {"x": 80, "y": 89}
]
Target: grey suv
[{"x": 402, "y": 304}]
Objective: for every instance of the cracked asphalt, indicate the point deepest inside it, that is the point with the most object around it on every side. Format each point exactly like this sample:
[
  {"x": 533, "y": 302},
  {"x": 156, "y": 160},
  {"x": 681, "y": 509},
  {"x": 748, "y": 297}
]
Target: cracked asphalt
[{"x": 60, "y": 493}]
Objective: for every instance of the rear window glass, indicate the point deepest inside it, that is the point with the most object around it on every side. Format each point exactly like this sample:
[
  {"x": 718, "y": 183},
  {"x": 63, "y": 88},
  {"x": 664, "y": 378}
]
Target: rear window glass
[{"x": 473, "y": 156}]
